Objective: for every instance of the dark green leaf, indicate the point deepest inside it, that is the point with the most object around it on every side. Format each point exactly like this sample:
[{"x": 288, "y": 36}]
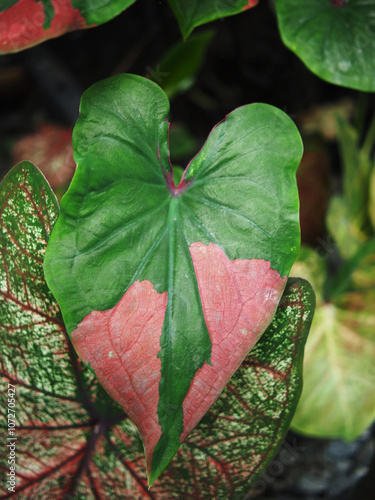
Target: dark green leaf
[
  {"x": 193, "y": 13},
  {"x": 100, "y": 11},
  {"x": 177, "y": 70},
  {"x": 336, "y": 40}
]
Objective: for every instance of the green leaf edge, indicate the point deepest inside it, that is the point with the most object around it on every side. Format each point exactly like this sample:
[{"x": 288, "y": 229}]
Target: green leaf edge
[
  {"x": 7, "y": 4},
  {"x": 189, "y": 170},
  {"x": 298, "y": 367},
  {"x": 94, "y": 16}
]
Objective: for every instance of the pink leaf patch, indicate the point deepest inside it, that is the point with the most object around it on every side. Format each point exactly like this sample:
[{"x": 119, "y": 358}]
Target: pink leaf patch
[
  {"x": 21, "y": 26},
  {"x": 121, "y": 345},
  {"x": 239, "y": 299},
  {"x": 250, "y": 4}
]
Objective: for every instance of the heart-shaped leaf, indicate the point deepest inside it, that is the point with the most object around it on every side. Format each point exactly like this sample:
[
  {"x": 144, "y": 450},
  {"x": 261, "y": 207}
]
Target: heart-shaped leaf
[
  {"x": 193, "y": 13},
  {"x": 165, "y": 289},
  {"x": 334, "y": 38},
  {"x": 72, "y": 440},
  {"x": 24, "y": 23}
]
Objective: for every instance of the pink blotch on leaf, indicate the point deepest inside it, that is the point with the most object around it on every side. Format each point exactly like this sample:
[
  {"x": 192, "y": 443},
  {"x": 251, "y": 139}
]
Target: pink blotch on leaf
[
  {"x": 239, "y": 300},
  {"x": 21, "y": 26},
  {"x": 250, "y": 4},
  {"x": 121, "y": 345}
]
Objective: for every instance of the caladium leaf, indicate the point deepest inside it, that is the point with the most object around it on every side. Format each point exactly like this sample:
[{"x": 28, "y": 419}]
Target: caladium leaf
[
  {"x": 72, "y": 440},
  {"x": 193, "y": 13},
  {"x": 25, "y": 23},
  {"x": 334, "y": 38},
  {"x": 5, "y": 4},
  {"x": 28, "y": 210},
  {"x": 177, "y": 70},
  {"x": 50, "y": 147},
  {"x": 337, "y": 398},
  {"x": 99, "y": 11},
  {"x": 165, "y": 289}
]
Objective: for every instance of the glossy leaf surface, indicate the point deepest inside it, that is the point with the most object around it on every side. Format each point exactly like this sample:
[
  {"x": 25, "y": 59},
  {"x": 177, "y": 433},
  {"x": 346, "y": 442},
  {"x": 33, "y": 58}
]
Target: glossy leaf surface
[
  {"x": 5, "y": 4},
  {"x": 334, "y": 39},
  {"x": 165, "y": 289},
  {"x": 28, "y": 211},
  {"x": 193, "y": 13},
  {"x": 28, "y": 22},
  {"x": 72, "y": 440},
  {"x": 99, "y": 11}
]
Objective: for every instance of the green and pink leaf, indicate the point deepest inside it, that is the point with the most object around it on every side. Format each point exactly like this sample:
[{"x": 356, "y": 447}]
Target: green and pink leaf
[
  {"x": 72, "y": 440},
  {"x": 334, "y": 38},
  {"x": 185, "y": 277},
  {"x": 193, "y": 13},
  {"x": 24, "y": 23}
]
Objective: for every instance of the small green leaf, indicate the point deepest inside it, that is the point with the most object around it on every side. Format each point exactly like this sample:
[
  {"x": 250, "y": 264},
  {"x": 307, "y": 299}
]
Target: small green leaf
[
  {"x": 51, "y": 18},
  {"x": 334, "y": 39},
  {"x": 177, "y": 70},
  {"x": 193, "y": 13},
  {"x": 71, "y": 438}
]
